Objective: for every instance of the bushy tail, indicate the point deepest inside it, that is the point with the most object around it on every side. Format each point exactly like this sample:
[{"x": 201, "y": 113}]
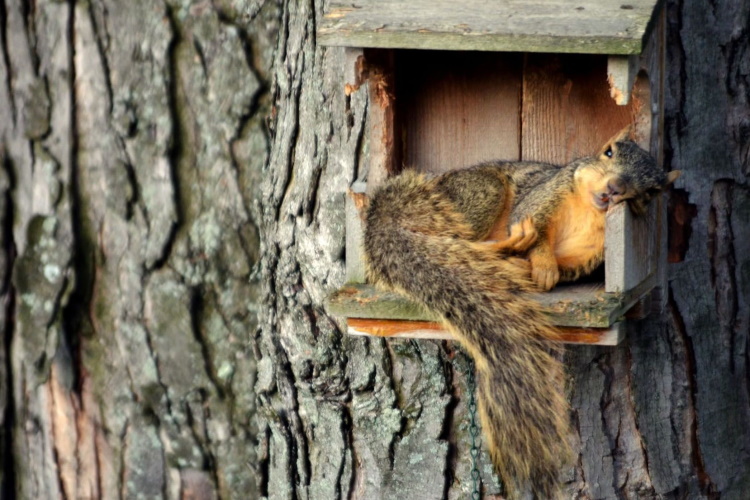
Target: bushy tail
[{"x": 417, "y": 244}]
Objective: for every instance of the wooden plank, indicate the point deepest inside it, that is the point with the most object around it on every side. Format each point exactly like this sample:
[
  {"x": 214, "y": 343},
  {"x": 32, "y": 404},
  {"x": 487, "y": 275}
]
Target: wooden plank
[
  {"x": 579, "y": 305},
  {"x": 361, "y": 300},
  {"x": 457, "y": 108},
  {"x": 393, "y": 328},
  {"x": 354, "y": 76},
  {"x": 435, "y": 331},
  {"x": 655, "y": 62},
  {"x": 567, "y": 111},
  {"x": 587, "y": 26},
  {"x": 354, "y": 69},
  {"x": 355, "y": 268},
  {"x": 621, "y": 72},
  {"x": 382, "y": 137},
  {"x": 630, "y": 246}
]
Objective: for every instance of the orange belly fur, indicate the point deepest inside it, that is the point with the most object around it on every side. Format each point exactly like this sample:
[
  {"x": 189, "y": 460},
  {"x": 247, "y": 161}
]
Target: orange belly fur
[{"x": 576, "y": 232}]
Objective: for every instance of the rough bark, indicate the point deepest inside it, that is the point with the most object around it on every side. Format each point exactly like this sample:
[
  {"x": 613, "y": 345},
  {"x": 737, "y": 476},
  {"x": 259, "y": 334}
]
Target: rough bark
[
  {"x": 172, "y": 217},
  {"x": 133, "y": 139}
]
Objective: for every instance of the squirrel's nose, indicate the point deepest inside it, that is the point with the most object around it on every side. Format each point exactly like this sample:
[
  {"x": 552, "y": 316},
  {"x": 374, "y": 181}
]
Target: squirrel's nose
[
  {"x": 617, "y": 190},
  {"x": 616, "y": 187}
]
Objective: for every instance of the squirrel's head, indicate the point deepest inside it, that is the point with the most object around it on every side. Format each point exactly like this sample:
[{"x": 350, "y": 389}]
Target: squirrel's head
[{"x": 624, "y": 172}]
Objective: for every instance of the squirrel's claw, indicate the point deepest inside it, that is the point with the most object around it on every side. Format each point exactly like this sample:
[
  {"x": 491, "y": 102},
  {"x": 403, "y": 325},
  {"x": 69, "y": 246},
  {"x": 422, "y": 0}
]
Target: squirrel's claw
[{"x": 545, "y": 278}]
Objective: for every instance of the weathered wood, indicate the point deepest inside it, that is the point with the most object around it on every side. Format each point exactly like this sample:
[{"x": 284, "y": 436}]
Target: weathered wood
[
  {"x": 631, "y": 253},
  {"x": 430, "y": 330},
  {"x": 355, "y": 269},
  {"x": 621, "y": 73},
  {"x": 584, "y": 305},
  {"x": 603, "y": 27},
  {"x": 354, "y": 69},
  {"x": 458, "y": 109},
  {"x": 394, "y": 328},
  {"x": 382, "y": 133}
]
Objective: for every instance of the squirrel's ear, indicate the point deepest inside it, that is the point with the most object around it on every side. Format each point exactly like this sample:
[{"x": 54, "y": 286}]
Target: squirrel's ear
[
  {"x": 673, "y": 176},
  {"x": 623, "y": 135}
]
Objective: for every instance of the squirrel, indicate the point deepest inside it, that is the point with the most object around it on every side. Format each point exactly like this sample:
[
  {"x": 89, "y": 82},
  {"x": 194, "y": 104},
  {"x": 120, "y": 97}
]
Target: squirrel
[{"x": 472, "y": 245}]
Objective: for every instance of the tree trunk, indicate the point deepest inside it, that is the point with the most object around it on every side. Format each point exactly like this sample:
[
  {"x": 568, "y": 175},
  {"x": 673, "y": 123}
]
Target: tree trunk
[
  {"x": 173, "y": 179},
  {"x": 133, "y": 140}
]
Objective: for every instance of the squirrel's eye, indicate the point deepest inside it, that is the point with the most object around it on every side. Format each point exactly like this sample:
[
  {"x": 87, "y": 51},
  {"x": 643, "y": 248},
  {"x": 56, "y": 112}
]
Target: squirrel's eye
[{"x": 608, "y": 152}]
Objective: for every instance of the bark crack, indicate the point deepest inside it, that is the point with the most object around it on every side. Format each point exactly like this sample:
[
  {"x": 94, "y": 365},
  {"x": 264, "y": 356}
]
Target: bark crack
[
  {"x": 706, "y": 483},
  {"x": 347, "y": 431},
  {"x": 8, "y": 304},
  {"x": 56, "y": 438},
  {"x": 287, "y": 388},
  {"x": 723, "y": 262},
  {"x": 6, "y": 59},
  {"x": 447, "y": 433},
  {"x": 264, "y": 462},
  {"x": 175, "y": 152},
  {"x": 292, "y": 95},
  {"x": 209, "y": 460},
  {"x": 197, "y": 307},
  {"x": 633, "y": 406},
  {"x": 676, "y": 122},
  {"x": 82, "y": 260},
  {"x": 99, "y": 32},
  {"x": 312, "y": 199}
]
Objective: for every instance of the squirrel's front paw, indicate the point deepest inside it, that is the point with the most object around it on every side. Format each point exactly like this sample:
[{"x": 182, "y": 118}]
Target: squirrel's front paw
[{"x": 544, "y": 272}]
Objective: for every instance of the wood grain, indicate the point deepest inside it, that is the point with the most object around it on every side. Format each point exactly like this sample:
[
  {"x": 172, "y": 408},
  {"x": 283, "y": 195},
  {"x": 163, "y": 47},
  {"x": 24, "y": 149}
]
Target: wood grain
[
  {"x": 458, "y": 108},
  {"x": 355, "y": 267},
  {"x": 381, "y": 120},
  {"x": 621, "y": 73},
  {"x": 631, "y": 252},
  {"x": 436, "y": 331},
  {"x": 567, "y": 110},
  {"x": 596, "y": 27}
]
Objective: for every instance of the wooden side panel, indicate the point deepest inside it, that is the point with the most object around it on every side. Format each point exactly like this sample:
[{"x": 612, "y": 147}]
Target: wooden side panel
[
  {"x": 355, "y": 265},
  {"x": 379, "y": 71},
  {"x": 458, "y": 108},
  {"x": 631, "y": 246},
  {"x": 567, "y": 110}
]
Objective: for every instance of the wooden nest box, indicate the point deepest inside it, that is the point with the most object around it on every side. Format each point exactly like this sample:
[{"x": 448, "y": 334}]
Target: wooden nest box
[{"x": 451, "y": 84}]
